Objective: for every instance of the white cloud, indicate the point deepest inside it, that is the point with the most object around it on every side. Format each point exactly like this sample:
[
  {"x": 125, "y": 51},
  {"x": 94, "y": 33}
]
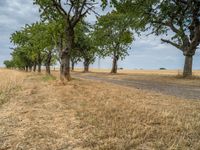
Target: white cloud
[{"x": 13, "y": 16}]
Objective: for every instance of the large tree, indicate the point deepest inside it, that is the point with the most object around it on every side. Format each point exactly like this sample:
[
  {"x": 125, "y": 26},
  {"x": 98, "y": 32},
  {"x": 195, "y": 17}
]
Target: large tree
[
  {"x": 34, "y": 45},
  {"x": 85, "y": 46},
  {"x": 22, "y": 54},
  {"x": 179, "y": 18},
  {"x": 72, "y": 13},
  {"x": 9, "y": 63},
  {"x": 113, "y": 36}
]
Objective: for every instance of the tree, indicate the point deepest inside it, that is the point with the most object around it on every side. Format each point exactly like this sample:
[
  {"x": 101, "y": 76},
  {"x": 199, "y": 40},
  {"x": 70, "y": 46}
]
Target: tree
[
  {"x": 113, "y": 37},
  {"x": 50, "y": 37},
  {"x": 34, "y": 45},
  {"x": 88, "y": 52},
  {"x": 8, "y": 63},
  {"x": 21, "y": 59},
  {"x": 37, "y": 42},
  {"x": 72, "y": 13},
  {"x": 182, "y": 17},
  {"x": 22, "y": 55},
  {"x": 75, "y": 58},
  {"x": 84, "y": 44}
]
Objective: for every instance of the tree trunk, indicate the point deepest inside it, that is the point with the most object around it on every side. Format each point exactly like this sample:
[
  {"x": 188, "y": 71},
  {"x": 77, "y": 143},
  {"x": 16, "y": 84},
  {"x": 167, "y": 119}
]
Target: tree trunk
[
  {"x": 48, "y": 62},
  {"x": 187, "y": 72},
  {"x": 65, "y": 55},
  {"x": 34, "y": 66},
  {"x": 72, "y": 65},
  {"x": 65, "y": 67},
  {"x": 30, "y": 68},
  {"x": 86, "y": 65},
  {"x": 48, "y": 69},
  {"x": 26, "y": 68},
  {"x": 39, "y": 67},
  {"x": 114, "y": 65},
  {"x": 39, "y": 63}
]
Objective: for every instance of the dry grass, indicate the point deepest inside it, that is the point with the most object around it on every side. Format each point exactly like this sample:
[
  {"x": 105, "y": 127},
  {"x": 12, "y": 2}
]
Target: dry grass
[
  {"x": 93, "y": 115},
  {"x": 114, "y": 117},
  {"x": 9, "y": 81}
]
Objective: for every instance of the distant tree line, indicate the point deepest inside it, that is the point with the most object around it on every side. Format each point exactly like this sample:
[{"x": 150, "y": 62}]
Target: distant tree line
[{"x": 63, "y": 35}]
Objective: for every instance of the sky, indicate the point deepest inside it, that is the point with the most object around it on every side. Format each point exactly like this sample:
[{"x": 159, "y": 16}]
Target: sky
[{"x": 147, "y": 52}]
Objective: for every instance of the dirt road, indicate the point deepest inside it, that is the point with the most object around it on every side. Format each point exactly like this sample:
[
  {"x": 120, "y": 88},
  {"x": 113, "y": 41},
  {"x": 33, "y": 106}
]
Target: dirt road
[{"x": 174, "y": 89}]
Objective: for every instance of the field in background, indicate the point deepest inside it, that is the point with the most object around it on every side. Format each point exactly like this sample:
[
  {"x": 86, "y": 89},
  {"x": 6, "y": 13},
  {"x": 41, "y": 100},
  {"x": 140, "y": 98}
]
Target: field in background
[
  {"x": 145, "y": 72},
  {"x": 45, "y": 114},
  {"x": 161, "y": 76}
]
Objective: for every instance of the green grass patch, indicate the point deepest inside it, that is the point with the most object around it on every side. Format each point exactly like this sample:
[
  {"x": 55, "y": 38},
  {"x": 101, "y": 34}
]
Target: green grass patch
[{"x": 48, "y": 78}]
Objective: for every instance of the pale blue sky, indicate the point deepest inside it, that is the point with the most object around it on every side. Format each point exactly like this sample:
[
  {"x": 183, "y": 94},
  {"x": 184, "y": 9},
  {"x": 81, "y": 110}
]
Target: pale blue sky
[{"x": 146, "y": 52}]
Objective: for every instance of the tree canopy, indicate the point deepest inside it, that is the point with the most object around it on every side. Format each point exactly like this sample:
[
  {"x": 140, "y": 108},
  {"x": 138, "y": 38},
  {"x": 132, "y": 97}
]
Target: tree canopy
[
  {"x": 113, "y": 36},
  {"x": 179, "y": 19}
]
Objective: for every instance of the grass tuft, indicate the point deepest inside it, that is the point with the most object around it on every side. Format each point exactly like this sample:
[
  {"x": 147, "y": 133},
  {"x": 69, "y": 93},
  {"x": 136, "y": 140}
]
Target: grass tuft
[{"x": 48, "y": 78}]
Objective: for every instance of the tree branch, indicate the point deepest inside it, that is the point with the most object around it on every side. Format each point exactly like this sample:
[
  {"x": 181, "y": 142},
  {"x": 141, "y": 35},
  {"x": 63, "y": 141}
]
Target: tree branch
[
  {"x": 172, "y": 43},
  {"x": 59, "y": 7}
]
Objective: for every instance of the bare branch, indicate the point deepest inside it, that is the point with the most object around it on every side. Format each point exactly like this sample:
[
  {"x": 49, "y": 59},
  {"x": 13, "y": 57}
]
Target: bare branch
[
  {"x": 59, "y": 7},
  {"x": 172, "y": 43}
]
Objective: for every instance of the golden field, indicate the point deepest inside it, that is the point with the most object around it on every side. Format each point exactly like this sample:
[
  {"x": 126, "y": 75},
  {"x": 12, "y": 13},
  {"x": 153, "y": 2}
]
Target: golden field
[
  {"x": 144, "y": 72},
  {"x": 9, "y": 81},
  {"x": 44, "y": 114}
]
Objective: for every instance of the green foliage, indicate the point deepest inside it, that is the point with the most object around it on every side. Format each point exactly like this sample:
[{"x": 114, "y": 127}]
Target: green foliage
[
  {"x": 84, "y": 43},
  {"x": 47, "y": 10},
  {"x": 112, "y": 35},
  {"x": 21, "y": 57},
  {"x": 70, "y": 11},
  {"x": 8, "y": 63},
  {"x": 33, "y": 44},
  {"x": 175, "y": 16},
  {"x": 180, "y": 18}
]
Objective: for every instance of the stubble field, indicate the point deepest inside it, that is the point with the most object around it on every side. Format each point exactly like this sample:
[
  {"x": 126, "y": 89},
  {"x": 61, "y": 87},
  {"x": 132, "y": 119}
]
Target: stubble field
[{"x": 37, "y": 112}]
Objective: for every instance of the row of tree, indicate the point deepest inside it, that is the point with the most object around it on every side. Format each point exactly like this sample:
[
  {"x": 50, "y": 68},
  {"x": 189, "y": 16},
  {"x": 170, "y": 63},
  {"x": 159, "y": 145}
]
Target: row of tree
[{"x": 63, "y": 34}]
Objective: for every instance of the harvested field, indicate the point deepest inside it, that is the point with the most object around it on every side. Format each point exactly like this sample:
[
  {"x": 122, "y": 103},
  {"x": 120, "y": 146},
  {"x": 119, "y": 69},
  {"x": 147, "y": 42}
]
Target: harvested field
[
  {"x": 144, "y": 72},
  {"x": 10, "y": 81},
  {"x": 44, "y": 114}
]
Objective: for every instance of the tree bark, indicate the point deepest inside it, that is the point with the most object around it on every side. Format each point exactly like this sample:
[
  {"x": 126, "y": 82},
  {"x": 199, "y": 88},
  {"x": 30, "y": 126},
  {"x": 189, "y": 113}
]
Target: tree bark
[
  {"x": 73, "y": 64},
  {"x": 34, "y": 66},
  {"x": 86, "y": 65},
  {"x": 65, "y": 67},
  {"x": 39, "y": 67},
  {"x": 39, "y": 63},
  {"x": 30, "y": 68},
  {"x": 65, "y": 55},
  {"x": 114, "y": 65},
  {"x": 26, "y": 68},
  {"x": 187, "y": 72},
  {"x": 48, "y": 70},
  {"x": 48, "y": 62}
]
